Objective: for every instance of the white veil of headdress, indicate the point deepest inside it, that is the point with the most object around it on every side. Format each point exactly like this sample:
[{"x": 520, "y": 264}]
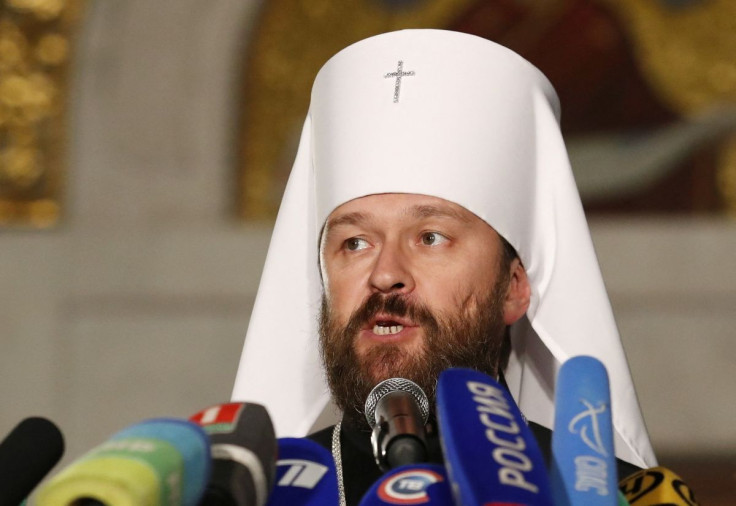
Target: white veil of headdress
[{"x": 470, "y": 122}]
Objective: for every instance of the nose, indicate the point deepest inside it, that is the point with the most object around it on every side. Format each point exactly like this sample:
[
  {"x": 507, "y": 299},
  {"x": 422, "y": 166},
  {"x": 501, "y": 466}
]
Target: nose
[{"x": 391, "y": 271}]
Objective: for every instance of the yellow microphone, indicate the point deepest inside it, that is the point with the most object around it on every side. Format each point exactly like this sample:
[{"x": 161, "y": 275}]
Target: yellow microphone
[
  {"x": 112, "y": 480},
  {"x": 158, "y": 462},
  {"x": 656, "y": 486}
]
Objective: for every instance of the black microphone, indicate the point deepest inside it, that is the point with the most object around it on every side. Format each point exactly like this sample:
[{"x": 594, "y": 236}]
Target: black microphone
[
  {"x": 244, "y": 448},
  {"x": 27, "y": 454},
  {"x": 397, "y": 410}
]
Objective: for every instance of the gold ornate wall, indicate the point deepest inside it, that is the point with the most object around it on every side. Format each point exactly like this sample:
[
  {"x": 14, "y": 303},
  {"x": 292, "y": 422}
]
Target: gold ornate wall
[
  {"x": 685, "y": 51},
  {"x": 36, "y": 40},
  {"x": 688, "y": 55}
]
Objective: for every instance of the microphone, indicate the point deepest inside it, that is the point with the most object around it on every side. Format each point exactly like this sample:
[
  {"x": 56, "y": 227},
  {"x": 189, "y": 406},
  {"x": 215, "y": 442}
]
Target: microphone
[
  {"x": 412, "y": 484},
  {"x": 305, "y": 475},
  {"x": 583, "y": 466},
  {"x": 490, "y": 454},
  {"x": 161, "y": 461},
  {"x": 397, "y": 410},
  {"x": 657, "y": 486},
  {"x": 243, "y": 447},
  {"x": 27, "y": 454}
]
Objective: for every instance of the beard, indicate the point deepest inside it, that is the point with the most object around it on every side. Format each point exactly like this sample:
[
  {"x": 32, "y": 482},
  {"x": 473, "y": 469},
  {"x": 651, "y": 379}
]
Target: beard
[{"x": 474, "y": 336}]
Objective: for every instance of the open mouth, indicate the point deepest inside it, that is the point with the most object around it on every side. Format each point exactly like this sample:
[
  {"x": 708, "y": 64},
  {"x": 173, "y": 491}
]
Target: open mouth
[
  {"x": 387, "y": 328},
  {"x": 388, "y": 325}
]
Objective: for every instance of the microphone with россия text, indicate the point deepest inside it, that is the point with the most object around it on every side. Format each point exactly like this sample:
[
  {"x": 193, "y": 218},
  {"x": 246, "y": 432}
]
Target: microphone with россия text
[{"x": 490, "y": 453}]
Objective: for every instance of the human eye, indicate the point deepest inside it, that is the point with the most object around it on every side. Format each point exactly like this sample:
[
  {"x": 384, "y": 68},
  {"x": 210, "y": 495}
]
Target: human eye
[
  {"x": 355, "y": 244},
  {"x": 432, "y": 238}
]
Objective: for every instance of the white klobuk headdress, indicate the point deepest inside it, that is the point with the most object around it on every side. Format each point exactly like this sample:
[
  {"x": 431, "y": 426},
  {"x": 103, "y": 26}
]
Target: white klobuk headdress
[{"x": 461, "y": 118}]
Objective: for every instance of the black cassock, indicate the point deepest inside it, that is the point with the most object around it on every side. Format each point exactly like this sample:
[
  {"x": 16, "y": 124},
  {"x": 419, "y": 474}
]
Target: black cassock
[{"x": 360, "y": 470}]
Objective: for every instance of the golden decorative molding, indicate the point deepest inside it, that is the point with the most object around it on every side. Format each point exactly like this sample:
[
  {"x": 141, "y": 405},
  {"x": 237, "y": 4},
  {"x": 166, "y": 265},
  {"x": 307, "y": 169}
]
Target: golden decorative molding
[
  {"x": 35, "y": 47},
  {"x": 686, "y": 50},
  {"x": 292, "y": 40}
]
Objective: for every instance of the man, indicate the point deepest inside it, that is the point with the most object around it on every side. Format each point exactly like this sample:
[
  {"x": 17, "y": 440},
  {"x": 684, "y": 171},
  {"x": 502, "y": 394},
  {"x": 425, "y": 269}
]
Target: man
[
  {"x": 429, "y": 161},
  {"x": 413, "y": 284}
]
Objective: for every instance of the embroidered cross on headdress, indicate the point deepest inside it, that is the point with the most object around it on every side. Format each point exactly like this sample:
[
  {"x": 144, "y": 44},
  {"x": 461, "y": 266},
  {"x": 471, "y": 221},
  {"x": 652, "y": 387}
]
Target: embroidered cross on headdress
[{"x": 398, "y": 75}]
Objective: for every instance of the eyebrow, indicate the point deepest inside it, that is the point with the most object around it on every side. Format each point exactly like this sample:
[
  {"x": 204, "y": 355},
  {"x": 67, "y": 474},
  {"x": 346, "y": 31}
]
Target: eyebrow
[
  {"x": 419, "y": 211},
  {"x": 429, "y": 211},
  {"x": 355, "y": 218}
]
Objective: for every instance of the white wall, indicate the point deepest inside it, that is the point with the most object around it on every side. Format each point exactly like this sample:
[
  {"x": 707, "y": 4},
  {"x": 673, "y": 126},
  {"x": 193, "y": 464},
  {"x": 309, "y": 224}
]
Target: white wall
[
  {"x": 136, "y": 306},
  {"x": 672, "y": 284}
]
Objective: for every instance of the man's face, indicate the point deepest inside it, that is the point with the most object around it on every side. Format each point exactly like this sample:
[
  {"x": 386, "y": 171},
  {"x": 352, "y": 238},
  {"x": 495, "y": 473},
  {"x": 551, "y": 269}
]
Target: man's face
[{"x": 413, "y": 285}]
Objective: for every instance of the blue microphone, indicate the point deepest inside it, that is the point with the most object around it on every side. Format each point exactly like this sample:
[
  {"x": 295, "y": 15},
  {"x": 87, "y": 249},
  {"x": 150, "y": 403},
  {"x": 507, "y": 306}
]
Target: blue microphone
[
  {"x": 411, "y": 484},
  {"x": 490, "y": 453},
  {"x": 305, "y": 475},
  {"x": 583, "y": 467}
]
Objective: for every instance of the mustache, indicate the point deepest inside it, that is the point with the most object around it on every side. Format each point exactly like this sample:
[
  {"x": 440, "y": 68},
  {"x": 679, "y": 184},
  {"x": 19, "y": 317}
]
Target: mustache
[{"x": 391, "y": 305}]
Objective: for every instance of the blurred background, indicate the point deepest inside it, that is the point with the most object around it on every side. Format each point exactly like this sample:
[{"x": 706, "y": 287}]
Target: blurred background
[{"x": 144, "y": 147}]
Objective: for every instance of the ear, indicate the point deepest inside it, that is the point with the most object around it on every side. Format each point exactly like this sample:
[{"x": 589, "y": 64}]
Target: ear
[{"x": 518, "y": 293}]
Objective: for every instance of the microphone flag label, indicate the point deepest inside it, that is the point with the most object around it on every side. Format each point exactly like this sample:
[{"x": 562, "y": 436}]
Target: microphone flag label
[
  {"x": 305, "y": 474},
  {"x": 490, "y": 453},
  {"x": 220, "y": 419},
  {"x": 411, "y": 484},
  {"x": 300, "y": 473}
]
